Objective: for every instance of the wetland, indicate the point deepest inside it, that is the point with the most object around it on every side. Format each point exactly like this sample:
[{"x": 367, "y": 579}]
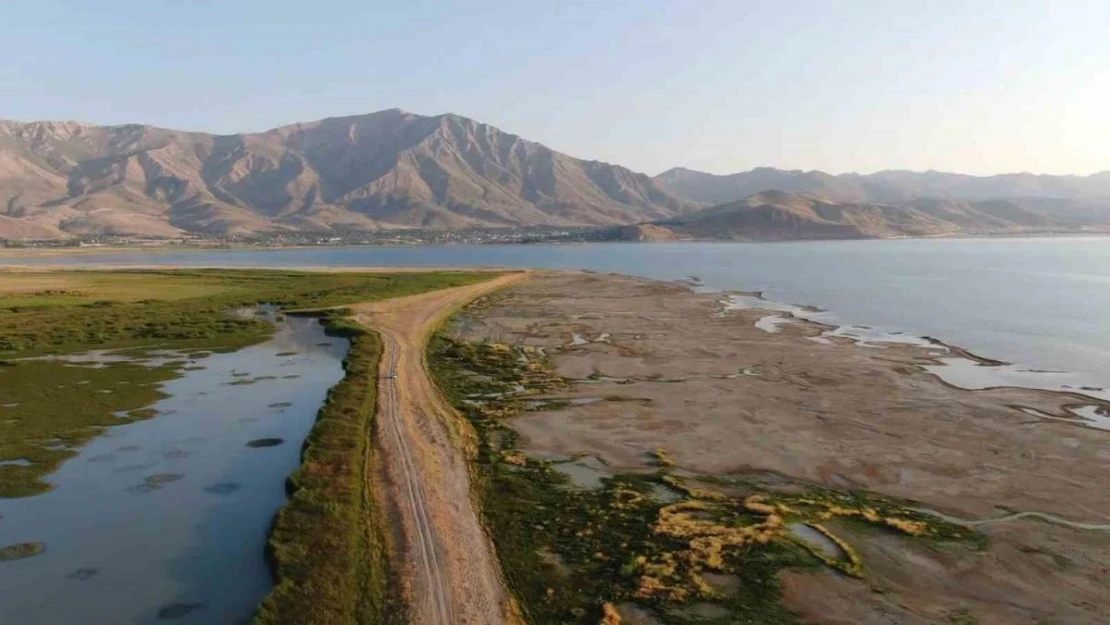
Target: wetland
[
  {"x": 642, "y": 452},
  {"x": 154, "y": 422}
]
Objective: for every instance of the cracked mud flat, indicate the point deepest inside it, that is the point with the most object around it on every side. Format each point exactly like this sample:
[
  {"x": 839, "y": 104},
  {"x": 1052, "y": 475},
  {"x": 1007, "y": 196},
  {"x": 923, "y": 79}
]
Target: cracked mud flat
[{"x": 723, "y": 397}]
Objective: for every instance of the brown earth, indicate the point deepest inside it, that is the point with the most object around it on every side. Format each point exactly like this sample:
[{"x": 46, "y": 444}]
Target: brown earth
[
  {"x": 448, "y": 565},
  {"x": 725, "y": 398}
]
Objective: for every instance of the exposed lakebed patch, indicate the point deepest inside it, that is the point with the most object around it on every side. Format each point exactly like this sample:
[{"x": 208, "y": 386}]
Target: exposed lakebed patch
[{"x": 566, "y": 526}]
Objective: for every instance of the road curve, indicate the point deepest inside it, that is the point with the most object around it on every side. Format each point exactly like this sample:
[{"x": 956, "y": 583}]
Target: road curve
[{"x": 449, "y": 568}]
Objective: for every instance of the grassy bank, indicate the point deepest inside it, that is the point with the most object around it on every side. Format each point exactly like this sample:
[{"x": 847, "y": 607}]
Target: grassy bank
[
  {"x": 48, "y": 409},
  {"x": 326, "y": 545},
  {"x": 68, "y": 311},
  {"x": 684, "y": 549}
]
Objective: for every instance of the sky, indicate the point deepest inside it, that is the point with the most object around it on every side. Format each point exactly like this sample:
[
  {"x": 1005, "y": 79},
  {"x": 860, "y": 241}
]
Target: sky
[{"x": 976, "y": 87}]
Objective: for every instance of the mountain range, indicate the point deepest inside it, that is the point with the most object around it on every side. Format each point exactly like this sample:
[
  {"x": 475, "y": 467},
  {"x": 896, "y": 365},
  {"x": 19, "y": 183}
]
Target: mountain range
[
  {"x": 385, "y": 169},
  {"x": 394, "y": 169}
]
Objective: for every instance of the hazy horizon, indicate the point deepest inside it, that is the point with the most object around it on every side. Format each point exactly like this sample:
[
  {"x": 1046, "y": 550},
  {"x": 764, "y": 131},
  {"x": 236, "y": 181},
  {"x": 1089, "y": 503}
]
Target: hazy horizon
[{"x": 713, "y": 87}]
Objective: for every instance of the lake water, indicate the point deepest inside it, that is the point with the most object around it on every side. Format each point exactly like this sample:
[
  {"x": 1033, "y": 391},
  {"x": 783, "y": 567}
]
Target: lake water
[
  {"x": 166, "y": 520},
  {"x": 1041, "y": 303}
]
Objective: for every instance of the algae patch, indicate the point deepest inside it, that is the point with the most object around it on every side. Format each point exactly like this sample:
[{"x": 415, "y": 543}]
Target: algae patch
[{"x": 20, "y": 551}]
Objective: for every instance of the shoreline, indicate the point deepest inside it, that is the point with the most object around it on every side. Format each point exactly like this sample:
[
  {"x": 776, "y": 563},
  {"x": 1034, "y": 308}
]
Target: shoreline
[
  {"x": 793, "y": 313},
  {"x": 1031, "y": 331},
  {"x": 14, "y": 269},
  {"x": 789, "y": 312},
  {"x": 93, "y": 250},
  {"x": 925, "y": 360},
  {"x": 651, "y": 379}
]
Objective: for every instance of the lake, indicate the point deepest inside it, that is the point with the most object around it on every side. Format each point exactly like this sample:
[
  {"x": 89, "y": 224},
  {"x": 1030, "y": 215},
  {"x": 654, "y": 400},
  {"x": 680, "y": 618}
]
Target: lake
[
  {"x": 167, "y": 519},
  {"x": 1042, "y": 303}
]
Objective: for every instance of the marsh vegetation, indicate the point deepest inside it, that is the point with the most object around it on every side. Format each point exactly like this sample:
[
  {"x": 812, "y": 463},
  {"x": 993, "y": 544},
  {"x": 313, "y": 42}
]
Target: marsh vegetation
[
  {"x": 327, "y": 544},
  {"x": 672, "y": 546},
  {"x": 51, "y": 406},
  {"x": 83, "y": 310},
  {"x": 154, "y": 331}
]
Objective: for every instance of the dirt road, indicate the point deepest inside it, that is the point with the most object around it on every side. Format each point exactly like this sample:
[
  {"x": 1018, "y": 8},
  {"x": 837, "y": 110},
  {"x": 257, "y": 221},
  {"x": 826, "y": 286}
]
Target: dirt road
[{"x": 449, "y": 567}]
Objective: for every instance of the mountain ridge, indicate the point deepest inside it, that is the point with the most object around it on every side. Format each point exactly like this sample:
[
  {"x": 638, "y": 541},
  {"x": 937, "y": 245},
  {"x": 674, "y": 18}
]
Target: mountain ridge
[{"x": 387, "y": 169}]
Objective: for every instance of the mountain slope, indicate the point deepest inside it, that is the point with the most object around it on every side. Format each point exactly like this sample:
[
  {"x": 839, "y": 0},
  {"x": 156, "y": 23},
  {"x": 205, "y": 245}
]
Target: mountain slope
[
  {"x": 711, "y": 189},
  {"x": 779, "y": 215},
  {"x": 385, "y": 169}
]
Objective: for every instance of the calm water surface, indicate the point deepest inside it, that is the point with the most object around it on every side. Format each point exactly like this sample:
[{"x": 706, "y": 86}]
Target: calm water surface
[
  {"x": 1038, "y": 302},
  {"x": 166, "y": 520}
]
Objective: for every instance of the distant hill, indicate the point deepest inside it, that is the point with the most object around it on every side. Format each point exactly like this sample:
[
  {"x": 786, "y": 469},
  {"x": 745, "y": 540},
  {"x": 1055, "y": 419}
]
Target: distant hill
[
  {"x": 711, "y": 189},
  {"x": 1084, "y": 198},
  {"x": 781, "y": 215},
  {"x": 382, "y": 170}
]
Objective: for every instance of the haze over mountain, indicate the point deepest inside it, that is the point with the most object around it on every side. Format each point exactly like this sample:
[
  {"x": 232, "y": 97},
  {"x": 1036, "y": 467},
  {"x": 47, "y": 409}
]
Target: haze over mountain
[
  {"x": 891, "y": 186},
  {"x": 384, "y": 169},
  {"x": 779, "y": 215}
]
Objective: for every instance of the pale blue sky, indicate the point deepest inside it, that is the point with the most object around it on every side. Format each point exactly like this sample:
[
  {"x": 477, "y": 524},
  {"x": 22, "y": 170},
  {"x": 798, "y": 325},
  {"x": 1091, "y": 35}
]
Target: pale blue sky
[{"x": 976, "y": 86}]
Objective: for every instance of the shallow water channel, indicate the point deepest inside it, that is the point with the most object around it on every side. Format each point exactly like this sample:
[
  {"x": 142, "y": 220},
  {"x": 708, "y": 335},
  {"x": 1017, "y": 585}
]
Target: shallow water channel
[{"x": 166, "y": 520}]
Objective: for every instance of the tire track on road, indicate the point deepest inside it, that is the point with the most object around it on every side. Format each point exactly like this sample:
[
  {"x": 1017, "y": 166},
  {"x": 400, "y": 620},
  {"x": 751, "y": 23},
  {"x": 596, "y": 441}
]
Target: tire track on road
[
  {"x": 438, "y": 591},
  {"x": 449, "y": 562}
]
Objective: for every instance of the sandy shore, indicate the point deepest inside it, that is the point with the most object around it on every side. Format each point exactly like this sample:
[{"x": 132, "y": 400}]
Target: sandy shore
[{"x": 724, "y": 397}]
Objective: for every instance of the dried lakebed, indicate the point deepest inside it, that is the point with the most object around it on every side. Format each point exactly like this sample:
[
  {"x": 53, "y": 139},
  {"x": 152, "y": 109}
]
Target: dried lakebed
[
  {"x": 939, "y": 503},
  {"x": 953, "y": 365},
  {"x": 166, "y": 519}
]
